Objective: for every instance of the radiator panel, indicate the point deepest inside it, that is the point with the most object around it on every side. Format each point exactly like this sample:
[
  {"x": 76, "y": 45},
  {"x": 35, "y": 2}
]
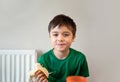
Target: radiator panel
[{"x": 16, "y": 64}]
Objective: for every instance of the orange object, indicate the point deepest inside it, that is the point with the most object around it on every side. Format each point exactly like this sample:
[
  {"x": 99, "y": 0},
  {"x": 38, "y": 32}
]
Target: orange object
[{"x": 76, "y": 79}]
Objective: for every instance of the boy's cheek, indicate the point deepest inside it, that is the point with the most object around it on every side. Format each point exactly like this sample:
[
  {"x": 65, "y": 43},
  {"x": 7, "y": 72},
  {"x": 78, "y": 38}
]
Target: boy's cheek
[
  {"x": 53, "y": 42},
  {"x": 52, "y": 39}
]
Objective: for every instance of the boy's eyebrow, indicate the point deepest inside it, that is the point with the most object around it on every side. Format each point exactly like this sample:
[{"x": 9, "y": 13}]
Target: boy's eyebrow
[
  {"x": 54, "y": 32},
  {"x": 66, "y": 32},
  {"x": 57, "y": 32}
]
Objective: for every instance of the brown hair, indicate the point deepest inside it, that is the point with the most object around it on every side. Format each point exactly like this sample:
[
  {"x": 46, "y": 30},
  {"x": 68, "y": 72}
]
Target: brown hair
[{"x": 62, "y": 20}]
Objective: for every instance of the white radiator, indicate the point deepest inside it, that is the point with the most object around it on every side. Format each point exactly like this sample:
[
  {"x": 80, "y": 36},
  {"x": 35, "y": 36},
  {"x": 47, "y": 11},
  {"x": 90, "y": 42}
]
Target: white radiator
[{"x": 16, "y": 64}]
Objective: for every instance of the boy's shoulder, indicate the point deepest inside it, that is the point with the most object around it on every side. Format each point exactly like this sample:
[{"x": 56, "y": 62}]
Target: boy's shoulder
[
  {"x": 44, "y": 55},
  {"x": 47, "y": 52},
  {"x": 76, "y": 51},
  {"x": 78, "y": 55}
]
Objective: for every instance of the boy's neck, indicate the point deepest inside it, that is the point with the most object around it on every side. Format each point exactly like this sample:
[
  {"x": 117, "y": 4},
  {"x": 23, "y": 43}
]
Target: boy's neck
[{"x": 61, "y": 54}]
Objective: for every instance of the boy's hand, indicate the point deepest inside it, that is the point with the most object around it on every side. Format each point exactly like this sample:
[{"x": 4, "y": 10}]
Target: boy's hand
[
  {"x": 40, "y": 74},
  {"x": 40, "y": 77}
]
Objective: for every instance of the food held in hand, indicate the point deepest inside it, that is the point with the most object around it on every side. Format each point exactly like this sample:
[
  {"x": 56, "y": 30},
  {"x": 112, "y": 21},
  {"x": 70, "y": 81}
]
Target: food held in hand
[{"x": 39, "y": 67}]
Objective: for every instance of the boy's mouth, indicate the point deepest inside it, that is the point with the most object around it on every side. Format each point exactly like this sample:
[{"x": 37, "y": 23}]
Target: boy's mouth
[{"x": 61, "y": 44}]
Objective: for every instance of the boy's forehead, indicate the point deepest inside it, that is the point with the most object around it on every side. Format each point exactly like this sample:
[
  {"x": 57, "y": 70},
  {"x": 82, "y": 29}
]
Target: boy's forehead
[{"x": 61, "y": 28}]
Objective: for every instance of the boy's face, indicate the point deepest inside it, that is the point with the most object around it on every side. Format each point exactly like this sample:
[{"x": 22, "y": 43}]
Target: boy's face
[{"x": 61, "y": 38}]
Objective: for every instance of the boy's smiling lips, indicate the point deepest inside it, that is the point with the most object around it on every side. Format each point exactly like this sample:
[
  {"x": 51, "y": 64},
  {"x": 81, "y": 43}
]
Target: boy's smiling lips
[{"x": 61, "y": 44}]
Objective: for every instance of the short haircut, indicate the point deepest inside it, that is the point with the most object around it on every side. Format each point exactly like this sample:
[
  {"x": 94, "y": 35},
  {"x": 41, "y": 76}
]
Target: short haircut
[{"x": 62, "y": 20}]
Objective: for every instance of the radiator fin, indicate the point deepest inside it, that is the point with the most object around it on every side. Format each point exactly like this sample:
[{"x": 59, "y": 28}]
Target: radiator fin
[{"x": 16, "y": 64}]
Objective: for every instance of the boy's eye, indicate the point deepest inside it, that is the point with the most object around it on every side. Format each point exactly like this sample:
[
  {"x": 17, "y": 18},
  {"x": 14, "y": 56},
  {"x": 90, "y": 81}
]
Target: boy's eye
[
  {"x": 55, "y": 34},
  {"x": 66, "y": 35}
]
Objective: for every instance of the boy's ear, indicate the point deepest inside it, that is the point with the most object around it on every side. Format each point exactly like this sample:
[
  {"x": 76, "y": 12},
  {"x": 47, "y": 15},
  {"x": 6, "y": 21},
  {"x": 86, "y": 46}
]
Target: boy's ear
[{"x": 74, "y": 38}]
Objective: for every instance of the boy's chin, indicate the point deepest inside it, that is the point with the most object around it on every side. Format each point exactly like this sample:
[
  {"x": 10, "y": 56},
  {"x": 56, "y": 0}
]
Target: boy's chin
[{"x": 60, "y": 49}]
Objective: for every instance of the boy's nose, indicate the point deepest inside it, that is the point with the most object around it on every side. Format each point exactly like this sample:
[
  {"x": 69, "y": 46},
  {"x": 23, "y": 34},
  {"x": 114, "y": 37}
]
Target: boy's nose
[{"x": 61, "y": 38}]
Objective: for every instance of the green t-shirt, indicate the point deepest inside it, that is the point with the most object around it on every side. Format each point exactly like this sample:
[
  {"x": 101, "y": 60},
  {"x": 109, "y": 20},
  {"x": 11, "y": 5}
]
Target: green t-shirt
[{"x": 74, "y": 64}]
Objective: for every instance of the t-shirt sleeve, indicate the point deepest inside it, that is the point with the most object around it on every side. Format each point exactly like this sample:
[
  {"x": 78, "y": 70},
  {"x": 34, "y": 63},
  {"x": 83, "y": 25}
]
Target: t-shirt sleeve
[
  {"x": 84, "y": 68},
  {"x": 40, "y": 59}
]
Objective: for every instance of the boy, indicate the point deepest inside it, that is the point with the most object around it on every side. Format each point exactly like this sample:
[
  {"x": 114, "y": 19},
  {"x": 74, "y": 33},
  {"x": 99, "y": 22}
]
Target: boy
[{"x": 62, "y": 61}]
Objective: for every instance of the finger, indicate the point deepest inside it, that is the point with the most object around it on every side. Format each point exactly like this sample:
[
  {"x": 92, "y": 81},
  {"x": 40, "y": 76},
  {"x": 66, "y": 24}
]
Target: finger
[
  {"x": 41, "y": 79},
  {"x": 45, "y": 80},
  {"x": 37, "y": 73},
  {"x": 39, "y": 76}
]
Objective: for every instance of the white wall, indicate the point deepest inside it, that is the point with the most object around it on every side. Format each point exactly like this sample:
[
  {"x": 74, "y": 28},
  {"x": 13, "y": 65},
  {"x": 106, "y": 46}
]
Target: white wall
[{"x": 23, "y": 25}]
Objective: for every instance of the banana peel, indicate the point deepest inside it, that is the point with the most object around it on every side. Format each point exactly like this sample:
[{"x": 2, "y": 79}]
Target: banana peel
[{"x": 39, "y": 67}]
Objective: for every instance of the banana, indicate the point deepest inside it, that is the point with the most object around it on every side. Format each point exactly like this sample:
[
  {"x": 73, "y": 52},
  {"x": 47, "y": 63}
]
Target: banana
[{"x": 39, "y": 67}]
